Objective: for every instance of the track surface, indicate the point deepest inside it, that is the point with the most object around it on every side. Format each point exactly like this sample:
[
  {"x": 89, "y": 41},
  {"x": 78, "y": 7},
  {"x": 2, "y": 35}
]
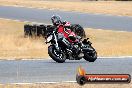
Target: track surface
[
  {"x": 31, "y": 71},
  {"x": 119, "y": 23},
  {"x": 50, "y": 71}
]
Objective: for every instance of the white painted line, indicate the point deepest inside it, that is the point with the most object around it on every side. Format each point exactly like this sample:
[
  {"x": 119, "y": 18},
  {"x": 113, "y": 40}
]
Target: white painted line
[
  {"x": 117, "y": 57},
  {"x": 38, "y": 59},
  {"x": 26, "y": 21},
  {"x": 45, "y": 82},
  {"x": 46, "y": 59},
  {"x": 58, "y": 82},
  {"x": 33, "y": 59},
  {"x": 22, "y": 21},
  {"x": 69, "y": 81},
  {"x": 110, "y": 30},
  {"x": 33, "y": 22}
]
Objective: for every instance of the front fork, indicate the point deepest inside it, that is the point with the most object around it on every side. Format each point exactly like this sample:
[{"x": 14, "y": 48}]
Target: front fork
[{"x": 56, "y": 43}]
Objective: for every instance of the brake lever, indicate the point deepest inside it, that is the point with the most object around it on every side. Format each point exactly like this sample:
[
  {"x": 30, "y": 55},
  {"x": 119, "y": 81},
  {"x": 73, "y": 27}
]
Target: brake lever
[{"x": 87, "y": 38}]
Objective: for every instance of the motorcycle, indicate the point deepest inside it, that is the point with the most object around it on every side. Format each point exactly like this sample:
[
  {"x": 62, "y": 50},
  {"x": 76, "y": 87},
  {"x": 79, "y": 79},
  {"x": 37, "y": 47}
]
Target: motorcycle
[{"x": 61, "y": 49}]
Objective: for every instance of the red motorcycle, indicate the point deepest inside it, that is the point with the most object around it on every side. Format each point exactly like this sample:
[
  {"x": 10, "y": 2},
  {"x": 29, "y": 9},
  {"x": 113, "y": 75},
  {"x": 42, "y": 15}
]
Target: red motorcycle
[{"x": 66, "y": 45}]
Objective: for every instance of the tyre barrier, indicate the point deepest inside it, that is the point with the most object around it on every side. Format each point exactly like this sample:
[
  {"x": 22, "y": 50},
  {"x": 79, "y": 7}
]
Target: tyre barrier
[
  {"x": 43, "y": 30},
  {"x": 36, "y": 30}
]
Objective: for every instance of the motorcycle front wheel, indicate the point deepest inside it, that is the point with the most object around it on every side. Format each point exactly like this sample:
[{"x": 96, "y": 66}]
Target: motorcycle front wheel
[
  {"x": 57, "y": 56},
  {"x": 90, "y": 56}
]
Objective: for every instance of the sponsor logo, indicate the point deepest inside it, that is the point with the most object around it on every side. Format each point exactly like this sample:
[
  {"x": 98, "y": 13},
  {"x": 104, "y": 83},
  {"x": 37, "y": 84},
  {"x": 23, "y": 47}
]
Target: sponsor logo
[{"x": 83, "y": 78}]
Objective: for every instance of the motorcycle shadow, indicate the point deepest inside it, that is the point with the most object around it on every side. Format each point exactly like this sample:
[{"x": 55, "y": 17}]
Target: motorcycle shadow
[{"x": 70, "y": 61}]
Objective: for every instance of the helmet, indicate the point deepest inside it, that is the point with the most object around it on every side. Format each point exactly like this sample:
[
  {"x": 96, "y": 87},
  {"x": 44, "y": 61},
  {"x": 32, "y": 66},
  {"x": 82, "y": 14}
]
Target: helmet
[{"x": 56, "y": 20}]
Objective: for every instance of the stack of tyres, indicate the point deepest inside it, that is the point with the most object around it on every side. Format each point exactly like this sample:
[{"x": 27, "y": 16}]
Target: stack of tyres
[
  {"x": 43, "y": 30},
  {"x": 35, "y": 30},
  {"x": 27, "y": 30}
]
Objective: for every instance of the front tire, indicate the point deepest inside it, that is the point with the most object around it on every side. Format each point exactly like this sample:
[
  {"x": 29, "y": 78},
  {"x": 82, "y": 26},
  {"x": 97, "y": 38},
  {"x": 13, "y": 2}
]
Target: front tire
[
  {"x": 58, "y": 57},
  {"x": 90, "y": 56}
]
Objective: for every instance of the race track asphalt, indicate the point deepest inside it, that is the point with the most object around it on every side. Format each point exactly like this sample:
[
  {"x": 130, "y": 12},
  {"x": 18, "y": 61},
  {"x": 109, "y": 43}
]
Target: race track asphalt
[
  {"x": 37, "y": 71},
  {"x": 99, "y": 21},
  {"x": 32, "y": 71}
]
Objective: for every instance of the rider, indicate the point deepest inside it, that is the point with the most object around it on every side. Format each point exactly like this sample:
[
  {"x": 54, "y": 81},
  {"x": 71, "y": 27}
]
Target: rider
[{"x": 64, "y": 28}]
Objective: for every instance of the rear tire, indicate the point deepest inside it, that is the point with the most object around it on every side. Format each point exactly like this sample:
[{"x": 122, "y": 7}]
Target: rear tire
[{"x": 60, "y": 59}]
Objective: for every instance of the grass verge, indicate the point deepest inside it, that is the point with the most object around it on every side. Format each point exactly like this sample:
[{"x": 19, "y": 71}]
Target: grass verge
[
  {"x": 14, "y": 45},
  {"x": 65, "y": 85}
]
